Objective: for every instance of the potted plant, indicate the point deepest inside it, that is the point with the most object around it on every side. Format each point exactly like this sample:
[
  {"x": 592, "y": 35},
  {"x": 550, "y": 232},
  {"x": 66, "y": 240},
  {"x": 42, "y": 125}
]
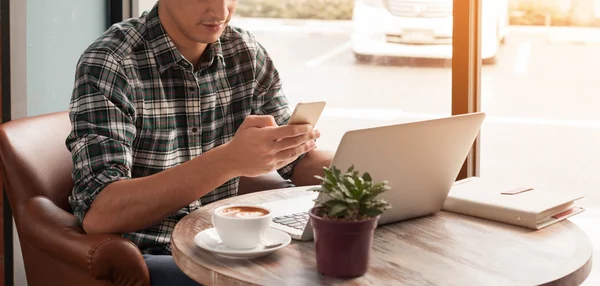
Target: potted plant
[{"x": 344, "y": 220}]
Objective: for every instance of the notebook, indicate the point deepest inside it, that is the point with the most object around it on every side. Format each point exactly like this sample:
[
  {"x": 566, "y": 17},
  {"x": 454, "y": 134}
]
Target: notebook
[{"x": 522, "y": 206}]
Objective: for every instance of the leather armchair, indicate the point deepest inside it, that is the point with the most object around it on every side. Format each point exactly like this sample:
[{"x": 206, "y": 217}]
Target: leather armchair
[{"x": 36, "y": 169}]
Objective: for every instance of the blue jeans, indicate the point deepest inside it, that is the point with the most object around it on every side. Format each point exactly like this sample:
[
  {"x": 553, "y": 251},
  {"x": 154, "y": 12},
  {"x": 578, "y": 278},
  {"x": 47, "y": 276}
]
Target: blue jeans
[{"x": 164, "y": 271}]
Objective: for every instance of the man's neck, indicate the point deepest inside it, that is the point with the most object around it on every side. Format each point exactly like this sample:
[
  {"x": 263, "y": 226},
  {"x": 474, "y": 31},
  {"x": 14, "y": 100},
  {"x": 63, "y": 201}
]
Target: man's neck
[{"x": 191, "y": 50}]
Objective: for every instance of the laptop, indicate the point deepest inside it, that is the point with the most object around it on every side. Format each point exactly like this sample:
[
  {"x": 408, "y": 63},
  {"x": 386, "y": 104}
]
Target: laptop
[{"x": 420, "y": 160}]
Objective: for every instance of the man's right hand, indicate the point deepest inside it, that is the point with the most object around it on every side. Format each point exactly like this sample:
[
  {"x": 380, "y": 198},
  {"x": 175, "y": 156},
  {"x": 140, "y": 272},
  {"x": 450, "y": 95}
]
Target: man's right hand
[{"x": 260, "y": 146}]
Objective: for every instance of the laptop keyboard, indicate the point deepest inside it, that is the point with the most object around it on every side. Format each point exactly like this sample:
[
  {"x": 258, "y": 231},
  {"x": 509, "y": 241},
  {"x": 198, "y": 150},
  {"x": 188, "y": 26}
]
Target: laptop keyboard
[{"x": 297, "y": 220}]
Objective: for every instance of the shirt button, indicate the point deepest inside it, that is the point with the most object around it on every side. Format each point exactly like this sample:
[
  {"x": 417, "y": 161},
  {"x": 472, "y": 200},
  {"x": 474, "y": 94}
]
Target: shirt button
[
  {"x": 191, "y": 89},
  {"x": 194, "y": 129}
]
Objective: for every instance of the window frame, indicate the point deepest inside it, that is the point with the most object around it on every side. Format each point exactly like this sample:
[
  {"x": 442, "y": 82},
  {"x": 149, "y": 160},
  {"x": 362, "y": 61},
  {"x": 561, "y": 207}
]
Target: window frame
[{"x": 466, "y": 71}]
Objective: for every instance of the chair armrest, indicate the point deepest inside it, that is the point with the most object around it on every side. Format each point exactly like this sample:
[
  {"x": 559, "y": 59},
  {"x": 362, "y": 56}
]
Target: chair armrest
[
  {"x": 56, "y": 232},
  {"x": 269, "y": 181}
]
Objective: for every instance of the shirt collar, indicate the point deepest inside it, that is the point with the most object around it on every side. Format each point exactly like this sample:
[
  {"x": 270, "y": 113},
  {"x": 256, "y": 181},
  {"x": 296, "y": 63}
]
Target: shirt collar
[
  {"x": 213, "y": 51},
  {"x": 165, "y": 51}
]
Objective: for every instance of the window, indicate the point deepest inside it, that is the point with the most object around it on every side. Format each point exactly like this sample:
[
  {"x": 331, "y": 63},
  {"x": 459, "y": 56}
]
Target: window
[
  {"x": 541, "y": 98},
  {"x": 46, "y": 52}
]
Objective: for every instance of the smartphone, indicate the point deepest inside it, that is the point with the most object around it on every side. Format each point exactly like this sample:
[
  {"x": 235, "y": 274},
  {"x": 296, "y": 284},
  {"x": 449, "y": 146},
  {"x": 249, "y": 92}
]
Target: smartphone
[{"x": 307, "y": 113}]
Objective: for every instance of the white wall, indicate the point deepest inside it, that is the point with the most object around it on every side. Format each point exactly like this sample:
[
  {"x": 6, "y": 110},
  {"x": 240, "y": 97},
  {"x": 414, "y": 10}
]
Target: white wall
[
  {"x": 18, "y": 54},
  {"x": 18, "y": 107},
  {"x": 19, "y": 268}
]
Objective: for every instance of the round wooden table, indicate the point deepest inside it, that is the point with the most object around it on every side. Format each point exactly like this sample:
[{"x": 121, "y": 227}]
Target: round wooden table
[{"x": 441, "y": 249}]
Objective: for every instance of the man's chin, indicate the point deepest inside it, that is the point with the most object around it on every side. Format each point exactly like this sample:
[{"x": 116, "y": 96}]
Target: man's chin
[{"x": 207, "y": 39}]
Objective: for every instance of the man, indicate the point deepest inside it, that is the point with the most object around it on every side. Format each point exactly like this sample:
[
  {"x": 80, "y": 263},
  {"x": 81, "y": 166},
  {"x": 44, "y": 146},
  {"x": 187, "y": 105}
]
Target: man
[{"x": 168, "y": 111}]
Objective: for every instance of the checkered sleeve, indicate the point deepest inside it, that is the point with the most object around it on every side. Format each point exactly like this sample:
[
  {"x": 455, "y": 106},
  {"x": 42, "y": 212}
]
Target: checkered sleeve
[
  {"x": 269, "y": 98},
  {"x": 102, "y": 128}
]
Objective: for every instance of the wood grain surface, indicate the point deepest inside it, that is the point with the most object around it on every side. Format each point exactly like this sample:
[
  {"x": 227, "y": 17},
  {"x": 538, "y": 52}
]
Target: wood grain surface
[{"x": 441, "y": 249}]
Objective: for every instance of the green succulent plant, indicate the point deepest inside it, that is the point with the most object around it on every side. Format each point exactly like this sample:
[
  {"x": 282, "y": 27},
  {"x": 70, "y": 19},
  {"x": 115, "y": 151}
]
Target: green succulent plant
[{"x": 349, "y": 196}]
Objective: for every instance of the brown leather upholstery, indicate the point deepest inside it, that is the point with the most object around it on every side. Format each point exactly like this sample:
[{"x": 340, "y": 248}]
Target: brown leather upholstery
[{"x": 36, "y": 169}]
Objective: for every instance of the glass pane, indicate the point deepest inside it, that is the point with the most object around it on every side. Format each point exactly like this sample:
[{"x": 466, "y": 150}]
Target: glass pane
[
  {"x": 57, "y": 34},
  {"x": 375, "y": 62},
  {"x": 541, "y": 97}
]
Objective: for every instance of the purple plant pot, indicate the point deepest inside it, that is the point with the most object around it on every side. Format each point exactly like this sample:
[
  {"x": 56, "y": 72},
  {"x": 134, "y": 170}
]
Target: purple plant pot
[{"x": 342, "y": 248}]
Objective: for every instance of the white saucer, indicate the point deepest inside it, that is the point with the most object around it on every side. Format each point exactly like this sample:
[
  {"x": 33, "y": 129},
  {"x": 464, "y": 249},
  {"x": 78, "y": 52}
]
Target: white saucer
[{"x": 209, "y": 240}]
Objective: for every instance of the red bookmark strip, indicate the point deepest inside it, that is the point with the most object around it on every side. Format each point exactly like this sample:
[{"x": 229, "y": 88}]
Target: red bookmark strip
[{"x": 567, "y": 213}]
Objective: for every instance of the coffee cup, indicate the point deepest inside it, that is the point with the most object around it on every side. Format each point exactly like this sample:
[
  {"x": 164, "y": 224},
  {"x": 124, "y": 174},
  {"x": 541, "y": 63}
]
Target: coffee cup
[{"x": 241, "y": 226}]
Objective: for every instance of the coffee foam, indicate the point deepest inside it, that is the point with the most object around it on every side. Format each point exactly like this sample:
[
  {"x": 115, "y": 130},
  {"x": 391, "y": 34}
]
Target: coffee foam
[
  {"x": 249, "y": 214},
  {"x": 244, "y": 212}
]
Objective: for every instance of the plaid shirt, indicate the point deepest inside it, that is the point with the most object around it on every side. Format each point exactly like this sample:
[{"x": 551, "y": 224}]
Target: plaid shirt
[{"x": 138, "y": 108}]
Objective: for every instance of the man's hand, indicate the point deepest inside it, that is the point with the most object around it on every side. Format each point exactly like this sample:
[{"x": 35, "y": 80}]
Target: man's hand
[{"x": 260, "y": 146}]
